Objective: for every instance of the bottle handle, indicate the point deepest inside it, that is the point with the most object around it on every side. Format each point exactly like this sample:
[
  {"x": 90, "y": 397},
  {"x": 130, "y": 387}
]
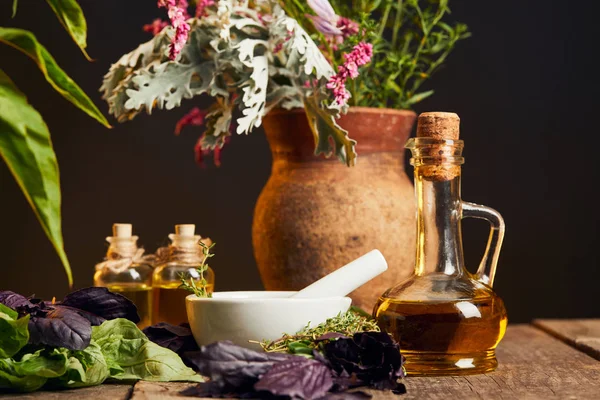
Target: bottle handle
[{"x": 487, "y": 267}]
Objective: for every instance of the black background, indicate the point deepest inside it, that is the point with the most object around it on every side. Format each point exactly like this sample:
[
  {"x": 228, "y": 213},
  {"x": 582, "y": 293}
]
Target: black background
[{"x": 525, "y": 86}]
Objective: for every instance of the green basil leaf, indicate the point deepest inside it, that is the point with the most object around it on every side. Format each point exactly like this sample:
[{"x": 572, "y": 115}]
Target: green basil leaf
[
  {"x": 71, "y": 16},
  {"x": 26, "y": 147},
  {"x": 14, "y": 8},
  {"x": 122, "y": 343},
  {"x": 13, "y": 332},
  {"x": 26, "y": 42}
]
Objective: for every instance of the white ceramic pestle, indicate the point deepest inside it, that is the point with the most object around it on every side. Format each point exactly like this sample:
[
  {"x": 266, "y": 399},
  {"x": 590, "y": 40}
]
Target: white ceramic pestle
[{"x": 347, "y": 278}]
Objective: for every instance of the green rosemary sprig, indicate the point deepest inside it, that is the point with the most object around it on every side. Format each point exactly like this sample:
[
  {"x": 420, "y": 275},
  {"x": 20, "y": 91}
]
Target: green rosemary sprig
[
  {"x": 303, "y": 342},
  {"x": 199, "y": 288}
]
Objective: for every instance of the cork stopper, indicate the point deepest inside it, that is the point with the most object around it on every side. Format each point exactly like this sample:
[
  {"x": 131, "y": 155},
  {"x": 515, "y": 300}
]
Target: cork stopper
[
  {"x": 122, "y": 230},
  {"x": 185, "y": 229},
  {"x": 438, "y": 125}
]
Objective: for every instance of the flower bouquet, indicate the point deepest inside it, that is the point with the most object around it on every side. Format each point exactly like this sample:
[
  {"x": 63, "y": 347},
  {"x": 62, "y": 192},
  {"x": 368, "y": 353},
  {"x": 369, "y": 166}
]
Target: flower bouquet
[{"x": 254, "y": 56}]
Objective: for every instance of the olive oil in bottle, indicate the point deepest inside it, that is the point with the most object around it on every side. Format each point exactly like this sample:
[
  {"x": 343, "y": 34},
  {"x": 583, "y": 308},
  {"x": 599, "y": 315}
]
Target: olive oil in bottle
[
  {"x": 126, "y": 271},
  {"x": 447, "y": 320},
  {"x": 184, "y": 256}
]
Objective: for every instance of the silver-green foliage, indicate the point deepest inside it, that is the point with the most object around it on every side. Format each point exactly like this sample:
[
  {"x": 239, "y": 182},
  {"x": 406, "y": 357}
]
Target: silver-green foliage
[{"x": 244, "y": 61}]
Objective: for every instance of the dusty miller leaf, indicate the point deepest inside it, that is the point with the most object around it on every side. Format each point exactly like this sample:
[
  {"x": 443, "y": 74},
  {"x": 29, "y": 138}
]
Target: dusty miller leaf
[
  {"x": 167, "y": 84},
  {"x": 322, "y": 121},
  {"x": 255, "y": 96}
]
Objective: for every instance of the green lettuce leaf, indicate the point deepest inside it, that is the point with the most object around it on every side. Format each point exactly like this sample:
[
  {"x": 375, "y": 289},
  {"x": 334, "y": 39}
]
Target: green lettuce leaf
[
  {"x": 26, "y": 147},
  {"x": 124, "y": 345},
  {"x": 13, "y": 332},
  {"x": 9, "y": 381},
  {"x": 84, "y": 368},
  {"x": 26, "y": 42},
  {"x": 33, "y": 370},
  {"x": 71, "y": 16},
  {"x": 49, "y": 363}
]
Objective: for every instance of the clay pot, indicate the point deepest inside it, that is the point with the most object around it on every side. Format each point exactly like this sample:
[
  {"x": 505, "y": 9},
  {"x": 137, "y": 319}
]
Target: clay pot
[{"x": 316, "y": 214}]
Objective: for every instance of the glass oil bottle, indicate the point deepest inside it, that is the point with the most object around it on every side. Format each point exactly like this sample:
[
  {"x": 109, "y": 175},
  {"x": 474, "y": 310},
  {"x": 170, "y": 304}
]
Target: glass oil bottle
[
  {"x": 184, "y": 255},
  {"x": 126, "y": 271},
  {"x": 447, "y": 320}
]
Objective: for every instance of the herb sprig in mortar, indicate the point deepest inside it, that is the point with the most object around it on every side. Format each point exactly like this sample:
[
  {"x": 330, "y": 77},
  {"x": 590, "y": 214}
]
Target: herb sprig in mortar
[
  {"x": 200, "y": 288},
  {"x": 304, "y": 341}
]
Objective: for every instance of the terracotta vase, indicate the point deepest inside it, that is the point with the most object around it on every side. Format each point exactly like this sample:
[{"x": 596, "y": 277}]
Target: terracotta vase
[{"x": 316, "y": 214}]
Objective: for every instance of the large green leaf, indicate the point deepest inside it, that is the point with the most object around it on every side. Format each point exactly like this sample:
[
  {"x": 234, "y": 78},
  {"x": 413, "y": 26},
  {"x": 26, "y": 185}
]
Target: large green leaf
[
  {"x": 26, "y": 42},
  {"x": 14, "y": 333},
  {"x": 130, "y": 355},
  {"x": 26, "y": 147},
  {"x": 85, "y": 368},
  {"x": 71, "y": 17}
]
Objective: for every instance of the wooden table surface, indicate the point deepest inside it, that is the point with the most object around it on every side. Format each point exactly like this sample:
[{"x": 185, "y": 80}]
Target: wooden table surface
[{"x": 558, "y": 359}]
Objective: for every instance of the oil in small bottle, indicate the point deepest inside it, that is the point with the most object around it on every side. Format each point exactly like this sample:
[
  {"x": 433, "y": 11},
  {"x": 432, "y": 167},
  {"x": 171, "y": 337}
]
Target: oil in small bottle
[
  {"x": 185, "y": 255},
  {"x": 126, "y": 271}
]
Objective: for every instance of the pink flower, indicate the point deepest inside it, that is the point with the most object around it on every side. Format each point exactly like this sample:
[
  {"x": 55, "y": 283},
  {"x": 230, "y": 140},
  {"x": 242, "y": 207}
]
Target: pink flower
[
  {"x": 360, "y": 55},
  {"x": 155, "y": 27},
  {"x": 194, "y": 117},
  {"x": 347, "y": 26},
  {"x": 177, "y": 11},
  {"x": 334, "y": 27},
  {"x": 201, "y": 6}
]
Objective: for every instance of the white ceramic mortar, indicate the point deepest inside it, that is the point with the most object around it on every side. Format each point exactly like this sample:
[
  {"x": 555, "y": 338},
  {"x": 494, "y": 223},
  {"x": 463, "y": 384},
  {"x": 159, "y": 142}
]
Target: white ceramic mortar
[{"x": 259, "y": 315}]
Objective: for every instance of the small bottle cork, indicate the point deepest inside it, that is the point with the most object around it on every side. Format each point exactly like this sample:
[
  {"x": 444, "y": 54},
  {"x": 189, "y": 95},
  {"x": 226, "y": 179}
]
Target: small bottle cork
[
  {"x": 439, "y": 125},
  {"x": 185, "y": 229},
  {"x": 122, "y": 230}
]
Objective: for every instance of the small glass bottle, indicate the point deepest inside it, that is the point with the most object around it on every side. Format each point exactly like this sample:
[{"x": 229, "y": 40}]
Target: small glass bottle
[
  {"x": 126, "y": 271},
  {"x": 184, "y": 257},
  {"x": 447, "y": 320}
]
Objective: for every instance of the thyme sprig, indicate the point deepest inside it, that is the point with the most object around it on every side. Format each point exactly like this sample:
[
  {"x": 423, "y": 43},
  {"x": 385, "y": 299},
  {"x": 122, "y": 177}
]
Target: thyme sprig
[
  {"x": 305, "y": 341},
  {"x": 200, "y": 287}
]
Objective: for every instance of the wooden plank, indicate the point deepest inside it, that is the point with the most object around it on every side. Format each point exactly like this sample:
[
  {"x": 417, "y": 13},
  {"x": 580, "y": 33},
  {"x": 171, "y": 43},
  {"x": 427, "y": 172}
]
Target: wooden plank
[
  {"x": 583, "y": 334},
  {"x": 159, "y": 390},
  {"x": 106, "y": 391},
  {"x": 533, "y": 365}
]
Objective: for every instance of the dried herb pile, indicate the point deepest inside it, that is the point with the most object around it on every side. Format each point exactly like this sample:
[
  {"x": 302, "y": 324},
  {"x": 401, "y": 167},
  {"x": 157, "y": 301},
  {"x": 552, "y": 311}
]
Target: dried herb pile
[{"x": 304, "y": 341}]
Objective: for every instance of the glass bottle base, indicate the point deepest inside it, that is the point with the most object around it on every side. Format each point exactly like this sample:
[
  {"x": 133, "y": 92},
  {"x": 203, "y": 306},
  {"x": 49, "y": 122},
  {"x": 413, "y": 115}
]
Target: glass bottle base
[{"x": 420, "y": 363}]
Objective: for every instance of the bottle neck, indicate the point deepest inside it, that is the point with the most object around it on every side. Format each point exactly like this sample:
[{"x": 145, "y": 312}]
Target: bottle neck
[
  {"x": 185, "y": 249},
  {"x": 439, "y": 244},
  {"x": 121, "y": 247}
]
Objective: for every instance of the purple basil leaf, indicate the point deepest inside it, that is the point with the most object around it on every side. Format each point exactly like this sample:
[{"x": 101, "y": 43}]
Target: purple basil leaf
[
  {"x": 177, "y": 338},
  {"x": 367, "y": 359},
  {"x": 60, "y": 327},
  {"x": 102, "y": 304},
  {"x": 234, "y": 367},
  {"x": 297, "y": 378},
  {"x": 13, "y": 300}
]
